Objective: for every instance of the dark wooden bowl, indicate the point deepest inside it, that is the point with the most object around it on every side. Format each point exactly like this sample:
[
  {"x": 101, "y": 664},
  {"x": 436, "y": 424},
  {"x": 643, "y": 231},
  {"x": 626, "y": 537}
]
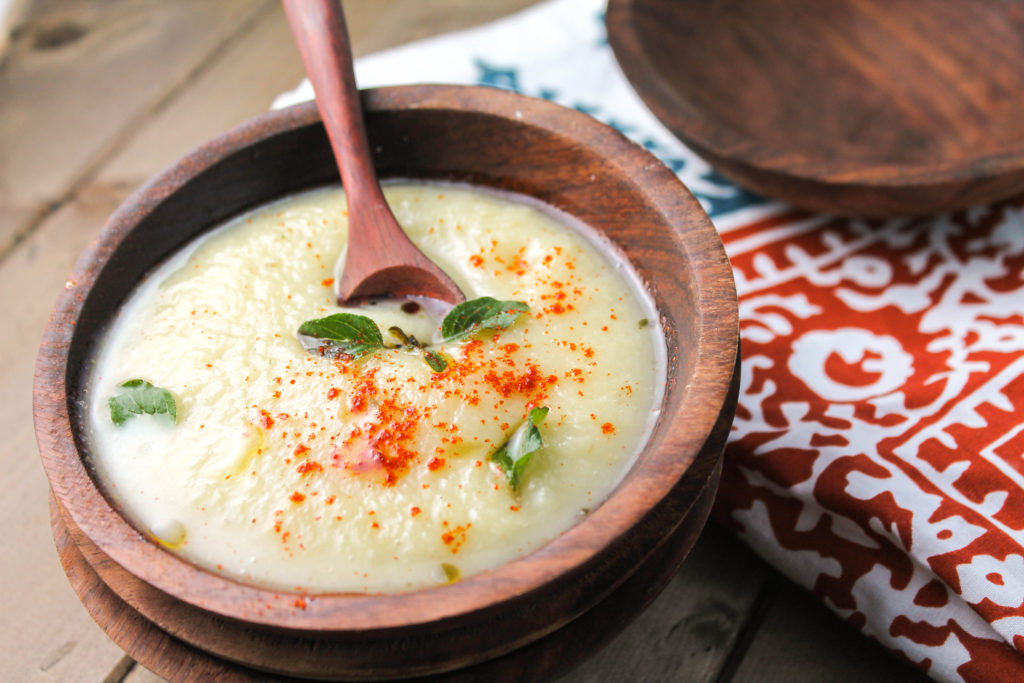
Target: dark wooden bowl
[
  {"x": 858, "y": 107},
  {"x": 478, "y": 135}
]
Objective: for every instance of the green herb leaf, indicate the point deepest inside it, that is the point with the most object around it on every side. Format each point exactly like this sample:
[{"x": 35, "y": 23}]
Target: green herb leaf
[
  {"x": 345, "y": 334},
  {"x": 138, "y": 397},
  {"x": 480, "y": 314},
  {"x": 436, "y": 361},
  {"x": 401, "y": 336},
  {"x": 514, "y": 456}
]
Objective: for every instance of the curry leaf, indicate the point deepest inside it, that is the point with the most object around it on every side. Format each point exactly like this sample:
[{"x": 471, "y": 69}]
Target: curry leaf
[
  {"x": 515, "y": 454},
  {"x": 346, "y": 334},
  {"x": 139, "y": 397},
  {"x": 435, "y": 360},
  {"x": 480, "y": 314}
]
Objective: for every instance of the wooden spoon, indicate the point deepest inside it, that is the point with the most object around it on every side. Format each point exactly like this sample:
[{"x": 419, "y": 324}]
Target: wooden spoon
[{"x": 380, "y": 260}]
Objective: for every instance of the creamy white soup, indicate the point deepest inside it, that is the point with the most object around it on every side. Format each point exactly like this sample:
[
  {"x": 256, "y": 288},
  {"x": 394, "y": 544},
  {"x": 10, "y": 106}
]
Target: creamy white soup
[{"x": 288, "y": 462}]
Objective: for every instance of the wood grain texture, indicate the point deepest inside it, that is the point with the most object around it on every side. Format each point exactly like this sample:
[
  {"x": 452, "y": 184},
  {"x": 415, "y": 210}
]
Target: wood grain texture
[
  {"x": 380, "y": 259},
  {"x": 790, "y": 619},
  {"x": 53, "y": 638},
  {"x": 477, "y": 135},
  {"x": 690, "y": 631},
  {"x": 859, "y": 107},
  {"x": 60, "y": 116}
]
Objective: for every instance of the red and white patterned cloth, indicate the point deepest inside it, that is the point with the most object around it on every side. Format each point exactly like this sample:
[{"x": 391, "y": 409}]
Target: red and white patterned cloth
[{"x": 877, "y": 455}]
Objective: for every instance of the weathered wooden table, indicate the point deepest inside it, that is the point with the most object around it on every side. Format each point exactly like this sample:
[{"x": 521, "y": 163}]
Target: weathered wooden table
[{"x": 98, "y": 95}]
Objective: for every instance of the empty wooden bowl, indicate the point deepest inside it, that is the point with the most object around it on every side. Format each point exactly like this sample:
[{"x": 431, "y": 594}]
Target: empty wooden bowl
[
  {"x": 857, "y": 107},
  {"x": 481, "y": 136}
]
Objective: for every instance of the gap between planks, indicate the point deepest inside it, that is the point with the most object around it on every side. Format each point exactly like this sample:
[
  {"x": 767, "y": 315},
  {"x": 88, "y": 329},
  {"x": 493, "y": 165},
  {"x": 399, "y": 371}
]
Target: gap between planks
[{"x": 95, "y": 159}]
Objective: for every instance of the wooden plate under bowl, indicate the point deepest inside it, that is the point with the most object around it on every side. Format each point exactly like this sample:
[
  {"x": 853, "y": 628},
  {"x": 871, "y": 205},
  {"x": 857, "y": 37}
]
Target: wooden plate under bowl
[
  {"x": 135, "y": 615},
  {"x": 858, "y": 107},
  {"x": 487, "y": 138}
]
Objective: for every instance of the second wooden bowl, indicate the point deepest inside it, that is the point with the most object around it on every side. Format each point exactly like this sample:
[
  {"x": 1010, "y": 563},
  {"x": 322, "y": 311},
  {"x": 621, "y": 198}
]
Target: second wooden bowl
[
  {"x": 858, "y": 107},
  {"x": 481, "y": 136}
]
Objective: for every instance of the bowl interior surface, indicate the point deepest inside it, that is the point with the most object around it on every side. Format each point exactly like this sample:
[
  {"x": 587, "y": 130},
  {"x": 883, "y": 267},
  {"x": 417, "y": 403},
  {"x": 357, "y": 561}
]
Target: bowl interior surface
[
  {"x": 901, "y": 95},
  {"x": 480, "y": 136}
]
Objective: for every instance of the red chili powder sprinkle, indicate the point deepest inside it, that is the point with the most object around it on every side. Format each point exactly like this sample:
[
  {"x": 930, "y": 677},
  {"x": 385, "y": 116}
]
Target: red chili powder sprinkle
[
  {"x": 608, "y": 428},
  {"x": 328, "y": 282},
  {"x": 333, "y": 393},
  {"x": 364, "y": 390},
  {"x": 509, "y": 382},
  {"x": 301, "y": 449},
  {"x": 308, "y": 467},
  {"x": 300, "y": 603},
  {"x": 297, "y": 497},
  {"x": 455, "y": 538},
  {"x": 435, "y": 464},
  {"x": 476, "y": 260},
  {"x": 415, "y": 511}
]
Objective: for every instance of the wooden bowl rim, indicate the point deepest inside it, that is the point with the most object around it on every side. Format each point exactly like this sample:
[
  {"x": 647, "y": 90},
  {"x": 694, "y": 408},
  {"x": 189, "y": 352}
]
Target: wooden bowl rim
[
  {"x": 702, "y": 397},
  {"x": 709, "y": 136}
]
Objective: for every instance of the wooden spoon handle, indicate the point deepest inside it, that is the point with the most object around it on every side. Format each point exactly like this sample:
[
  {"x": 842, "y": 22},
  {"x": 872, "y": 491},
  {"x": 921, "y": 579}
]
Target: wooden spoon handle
[
  {"x": 320, "y": 31},
  {"x": 380, "y": 259}
]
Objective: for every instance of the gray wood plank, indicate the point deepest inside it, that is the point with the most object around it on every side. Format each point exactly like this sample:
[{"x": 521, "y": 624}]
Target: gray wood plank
[
  {"x": 47, "y": 634},
  {"x": 140, "y": 674},
  {"x": 54, "y": 638},
  {"x": 242, "y": 84},
  {"x": 266, "y": 63},
  {"x": 690, "y": 629},
  {"x": 407, "y": 20},
  {"x": 798, "y": 639},
  {"x": 81, "y": 74}
]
